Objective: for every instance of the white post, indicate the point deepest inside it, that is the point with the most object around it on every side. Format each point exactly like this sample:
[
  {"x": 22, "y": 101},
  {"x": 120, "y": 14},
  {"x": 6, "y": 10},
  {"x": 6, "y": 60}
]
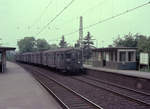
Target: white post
[
  {"x": 118, "y": 56},
  {"x": 127, "y": 57},
  {"x": 114, "y": 56}
]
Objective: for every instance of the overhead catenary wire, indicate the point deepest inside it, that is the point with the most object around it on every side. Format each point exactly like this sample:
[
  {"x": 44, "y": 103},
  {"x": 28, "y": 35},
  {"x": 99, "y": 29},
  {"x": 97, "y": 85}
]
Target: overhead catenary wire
[
  {"x": 85, "y": 12},
  {"x": 55, "y": 17},
  {"x": 39, "y": 18},
  {"x": 109, "y": 18}
]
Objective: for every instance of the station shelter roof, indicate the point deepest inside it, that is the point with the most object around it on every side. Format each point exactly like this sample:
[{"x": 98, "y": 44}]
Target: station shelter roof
[
  {"x": 6, "y": 48},
  {"x": 112, "y": 49}
]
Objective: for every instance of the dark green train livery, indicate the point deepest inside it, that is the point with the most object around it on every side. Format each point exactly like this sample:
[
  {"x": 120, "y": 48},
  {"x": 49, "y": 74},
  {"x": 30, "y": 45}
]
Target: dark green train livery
[{"x": 66, "y": 59}]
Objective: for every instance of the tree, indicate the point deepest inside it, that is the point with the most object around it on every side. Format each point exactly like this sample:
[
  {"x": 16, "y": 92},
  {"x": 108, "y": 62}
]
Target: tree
[
  {"x": 127, "y": 41},
  {"x": 10, "y": 55},
  {"x": 87, "y": 46},
  {"x": 27, "y": 44},
  {"x": 88, "y": 41},
  {"x": 77, "y": 45},
  {"x": 42, "y": 44},
  {"x": 63, "y": 43},
  {"x": 142, "y": 42},
  {"x": 53, "y": 46}
]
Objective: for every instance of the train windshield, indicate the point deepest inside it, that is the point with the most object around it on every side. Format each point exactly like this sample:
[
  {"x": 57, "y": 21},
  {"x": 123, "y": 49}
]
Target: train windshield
[
  {"x": 77, "y": 55},
  {"x": 68, "y": 56}
]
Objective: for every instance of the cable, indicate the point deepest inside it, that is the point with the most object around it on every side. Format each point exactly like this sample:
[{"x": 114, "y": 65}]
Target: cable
[
  {"x": 55, "y": 17},
  {"x": 39, "y": 18},
  {"x": 109, "y": 18},
  {"x": 95, "y": 6},
  {"x": 85, "y": 12}
]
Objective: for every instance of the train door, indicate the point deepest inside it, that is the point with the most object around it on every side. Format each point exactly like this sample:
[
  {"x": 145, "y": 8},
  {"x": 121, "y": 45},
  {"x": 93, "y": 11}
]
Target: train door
[
  {"x": 104, "y": 59},
  {"x": 46, "y": 55},
  {"x": 0, "y": 62},
  {"x": 54, "y": 59},
  {"x": 57, "y": 60}
]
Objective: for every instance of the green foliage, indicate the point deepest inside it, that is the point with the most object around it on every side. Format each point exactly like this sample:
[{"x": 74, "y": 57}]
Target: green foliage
[
  {"x": 127, "y": 41},
  {"x": 10, "y": 55},
  {"x": 87, "y": 46},
  {"x": 63, "y": 43},
  {"x": 27, "y": 44},
  {"x": 42, "y": 44},
  {"x": 88, "y": 41},
  {"x": 53, "y": 46},
  {"x": 30, "y": 44},
  {"x": 142, "y": 42},
  {"x": 77, "y": 45}
]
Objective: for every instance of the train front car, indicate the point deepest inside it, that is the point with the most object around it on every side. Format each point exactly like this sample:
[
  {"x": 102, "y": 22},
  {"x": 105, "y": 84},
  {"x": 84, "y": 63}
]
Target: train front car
[{"x": 73, "y": 61}]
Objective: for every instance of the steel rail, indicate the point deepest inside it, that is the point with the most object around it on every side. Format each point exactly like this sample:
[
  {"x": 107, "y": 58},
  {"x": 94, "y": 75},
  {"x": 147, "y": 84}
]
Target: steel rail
[
  {"x": 53, "y": 94},
  {"x": 117, "y": 85},
  {"x": 69, "y": 89},
  {"x": 125, "y": 96}
]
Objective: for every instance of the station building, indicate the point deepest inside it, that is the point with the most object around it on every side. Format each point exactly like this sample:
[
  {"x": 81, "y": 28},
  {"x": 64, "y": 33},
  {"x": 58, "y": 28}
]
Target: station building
[
  {"x": 3, "y": 57},
  {"x": 123, "y": 58}
]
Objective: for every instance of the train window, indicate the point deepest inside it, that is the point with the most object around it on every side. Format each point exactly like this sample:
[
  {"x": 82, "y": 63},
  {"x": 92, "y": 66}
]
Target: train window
[
  {"x": 68, "y": 55},
  {"x": 73, "y": 54},
  {"x": 111, "y": 56},
  {"x": 62, "y": 56},
  {"x": 0, "y": 57}
]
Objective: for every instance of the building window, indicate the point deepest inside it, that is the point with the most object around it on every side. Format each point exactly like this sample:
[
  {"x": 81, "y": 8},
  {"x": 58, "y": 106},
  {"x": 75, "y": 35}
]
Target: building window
[
  {"x": 111, "y": 56},
  {"x": 130, "y": 56},
  {"x": 99, "y": 57},
  {"x": 107, "y": 56},
  {"x": 122, "y": 56}
]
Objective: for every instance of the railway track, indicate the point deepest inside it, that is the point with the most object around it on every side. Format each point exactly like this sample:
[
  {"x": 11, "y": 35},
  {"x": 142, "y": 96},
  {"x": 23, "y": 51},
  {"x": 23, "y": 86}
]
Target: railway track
[
  {"x": 119, "y": 86},
  {"x": 138, "y": 84},
  {"x": 105, "y": 98},
  {"x": 128, "y": 93},
  {"x": 68, "y": 98}
]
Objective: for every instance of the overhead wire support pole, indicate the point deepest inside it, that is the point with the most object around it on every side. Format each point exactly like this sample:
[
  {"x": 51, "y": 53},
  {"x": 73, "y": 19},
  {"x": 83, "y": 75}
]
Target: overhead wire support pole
[
  {"x": 55, "y": 17},
  {"x": 110, "y": 18}
]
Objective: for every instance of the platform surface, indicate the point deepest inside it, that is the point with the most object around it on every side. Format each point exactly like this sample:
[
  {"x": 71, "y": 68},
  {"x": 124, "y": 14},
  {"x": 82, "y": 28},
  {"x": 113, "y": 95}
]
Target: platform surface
[
  {"x": 133, "y": 73},
  {"x": 19, "y": 90}
]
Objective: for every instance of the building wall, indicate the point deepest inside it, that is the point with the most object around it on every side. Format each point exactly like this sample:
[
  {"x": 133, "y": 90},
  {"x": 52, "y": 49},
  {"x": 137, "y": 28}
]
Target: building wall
[
  {"x": 111, "y": 59},
  {"x": 113, "y": 65},
  {"x": 127, "y": 66}
]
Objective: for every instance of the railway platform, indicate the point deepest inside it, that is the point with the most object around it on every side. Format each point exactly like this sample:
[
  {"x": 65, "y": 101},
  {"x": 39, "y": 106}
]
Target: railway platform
[
  {"x": 19, "y": 90},
  {"x": 133, "y": 73}
]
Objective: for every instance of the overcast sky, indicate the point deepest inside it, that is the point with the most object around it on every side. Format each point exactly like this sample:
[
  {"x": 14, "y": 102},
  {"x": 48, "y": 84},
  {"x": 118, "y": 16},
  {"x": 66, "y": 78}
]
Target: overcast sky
[{"x": 21, "y": 18}]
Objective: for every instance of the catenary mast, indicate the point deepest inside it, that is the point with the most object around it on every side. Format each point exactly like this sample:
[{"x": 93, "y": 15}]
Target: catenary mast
[{"x": 81, "y": 32}]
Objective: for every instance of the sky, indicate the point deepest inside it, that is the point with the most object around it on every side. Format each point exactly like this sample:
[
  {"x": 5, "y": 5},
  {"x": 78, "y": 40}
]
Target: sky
[{"x": 25, "y": 18}]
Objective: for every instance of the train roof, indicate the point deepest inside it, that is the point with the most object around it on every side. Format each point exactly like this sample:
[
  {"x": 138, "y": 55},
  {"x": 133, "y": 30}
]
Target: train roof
[
  {"x": 59, "y": 50},
  {"x": 56, "y": 50}
]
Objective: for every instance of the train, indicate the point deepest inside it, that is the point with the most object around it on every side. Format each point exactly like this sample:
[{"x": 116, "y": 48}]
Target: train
[{"x": 68, "y": 60}]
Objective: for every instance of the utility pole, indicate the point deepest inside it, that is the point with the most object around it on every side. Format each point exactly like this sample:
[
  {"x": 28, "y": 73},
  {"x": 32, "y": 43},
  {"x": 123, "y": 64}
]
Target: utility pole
[
  {"x": 81, "y": 36},
  {"x": 81, "y": 32}
]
